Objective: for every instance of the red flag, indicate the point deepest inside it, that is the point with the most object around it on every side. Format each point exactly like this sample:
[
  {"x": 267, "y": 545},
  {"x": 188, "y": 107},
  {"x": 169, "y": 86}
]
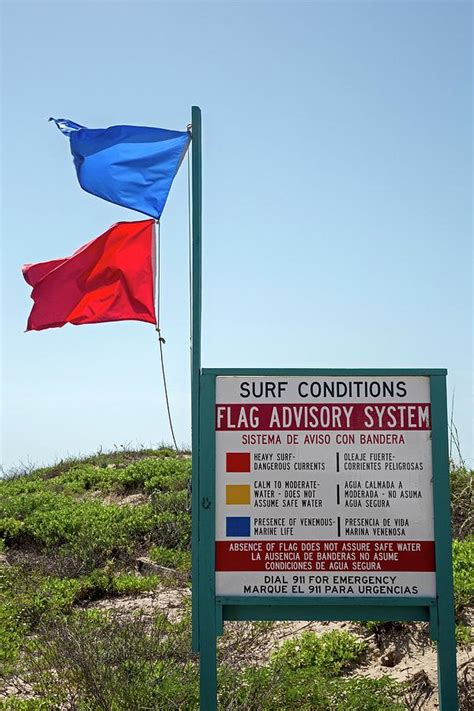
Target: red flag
[{"x": 109, "y": 279}]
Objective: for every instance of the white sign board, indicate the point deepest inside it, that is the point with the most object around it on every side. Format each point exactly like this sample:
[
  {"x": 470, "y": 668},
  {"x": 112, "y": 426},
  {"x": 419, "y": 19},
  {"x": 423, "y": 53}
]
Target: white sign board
[{"x": 323, "y": 486}]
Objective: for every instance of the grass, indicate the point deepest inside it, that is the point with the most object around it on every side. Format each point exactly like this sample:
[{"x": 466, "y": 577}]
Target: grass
[
  {"x": 111, "y": 663},
  {"x": 462, "y": 501},
  {"x": 463, "y": 573},
  {"x": 55, "y": 513},
  {"x": 331, "y": 652},
  {"x": 72, "y": 538},
  {"x": 464, "y": 635},
  {"x": 114, "y": 663},
  {"x": 171, "y": 558},
  {"x": 29, "y": 599},
  {"x": 70, "y": 547}
]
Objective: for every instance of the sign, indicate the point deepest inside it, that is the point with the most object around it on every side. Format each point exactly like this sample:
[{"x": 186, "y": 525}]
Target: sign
[
  {"x": 324, "y": 486},
  {"x": 322, "y": 495}
]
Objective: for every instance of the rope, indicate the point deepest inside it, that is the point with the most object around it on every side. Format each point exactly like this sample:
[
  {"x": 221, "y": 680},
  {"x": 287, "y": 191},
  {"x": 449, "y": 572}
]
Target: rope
[{"x": 161, "y": 340}]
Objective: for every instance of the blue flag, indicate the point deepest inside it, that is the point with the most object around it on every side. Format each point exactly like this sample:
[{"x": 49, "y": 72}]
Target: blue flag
[{"x": 132, "y": 166}]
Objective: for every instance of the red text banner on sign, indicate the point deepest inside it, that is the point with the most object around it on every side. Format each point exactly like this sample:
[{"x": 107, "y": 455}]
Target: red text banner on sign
[
  {"x": 282, "y": 556},
  {"x": 294, "y": 417}
]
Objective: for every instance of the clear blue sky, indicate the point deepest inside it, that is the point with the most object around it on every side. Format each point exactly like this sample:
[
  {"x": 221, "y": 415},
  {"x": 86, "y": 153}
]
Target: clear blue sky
[{"x": 337, "y": 200}]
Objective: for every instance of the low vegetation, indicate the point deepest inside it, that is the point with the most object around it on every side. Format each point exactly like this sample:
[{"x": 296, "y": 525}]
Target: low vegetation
[{"x": 74, "y": 538}]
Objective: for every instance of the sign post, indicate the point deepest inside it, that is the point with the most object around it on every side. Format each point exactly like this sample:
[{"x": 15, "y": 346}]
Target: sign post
[
  {"x": 196, "y": 291},
  {"x": 324, "y": 495},
  {"x": 203, "y": 603}
]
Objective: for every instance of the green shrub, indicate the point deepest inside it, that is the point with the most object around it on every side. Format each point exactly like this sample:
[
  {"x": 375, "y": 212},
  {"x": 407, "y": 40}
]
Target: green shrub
[
  {"x": 172, "y": 475},
  {"x": 21, "y": 485},
  {"x": 12, "y": 637},
  {"x": 305, "y": 689},
  {"x": 462, "y": 502},
  {"x": 132, "y": 477},
  {"x": 28, "y": 599},
  {"x": 464, "y": 635},
  {"x": 101, "y": 583},
  {"x": 172, "y": 530},
  {"x": 463, "y": 571},
  {"x": 88, "y": 531},
  {"x": 10, "y": 529},
  {"x": 100, "y": 660},
  {"x": 264, "y": 689},
  {"x": 330, "y": 652},
  {"x": 97, "y": 660},
  {"x": 170, "y": 501},
  {"x": 360, "y": 693},
  {"x": 79, "y": 478},
  {"x": 105, "y": 661},
  {"x": 130, "y": 584},
  {"x": 121, "y": 472},
  {"x": 177, "y": 559},
  {"x": 147, "y": 471},
  {"x": 18, "y": 704}
]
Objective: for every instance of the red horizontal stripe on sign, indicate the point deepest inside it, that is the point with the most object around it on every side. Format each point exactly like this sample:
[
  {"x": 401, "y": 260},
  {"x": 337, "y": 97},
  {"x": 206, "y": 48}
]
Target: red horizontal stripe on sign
[
  {"x": 292, "y": 556},
  {"x": 237, "y": 462},
  {"x": 333, "y": 416}
]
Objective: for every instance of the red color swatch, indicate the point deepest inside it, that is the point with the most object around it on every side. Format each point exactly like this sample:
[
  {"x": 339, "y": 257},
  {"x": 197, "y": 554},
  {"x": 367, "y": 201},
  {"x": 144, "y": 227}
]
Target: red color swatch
[{"x": 237, "y": 462}]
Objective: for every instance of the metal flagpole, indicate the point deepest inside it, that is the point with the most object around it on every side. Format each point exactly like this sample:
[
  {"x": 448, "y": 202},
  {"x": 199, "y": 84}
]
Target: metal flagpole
[
  {"x": 204, "y": 619},
  {"x": 196, "y": 279}
]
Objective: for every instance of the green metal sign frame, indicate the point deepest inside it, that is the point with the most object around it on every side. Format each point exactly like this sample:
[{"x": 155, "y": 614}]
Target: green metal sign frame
[{"x": 210, "y": 611}]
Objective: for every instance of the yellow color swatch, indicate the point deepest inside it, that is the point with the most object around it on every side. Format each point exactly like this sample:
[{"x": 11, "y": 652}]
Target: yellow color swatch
[{"x": 237, "y": 494}]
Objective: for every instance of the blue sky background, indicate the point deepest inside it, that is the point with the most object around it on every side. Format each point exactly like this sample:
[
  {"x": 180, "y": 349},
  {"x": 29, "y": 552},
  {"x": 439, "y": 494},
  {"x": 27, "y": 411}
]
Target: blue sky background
[{"x": 337, "y": 200}]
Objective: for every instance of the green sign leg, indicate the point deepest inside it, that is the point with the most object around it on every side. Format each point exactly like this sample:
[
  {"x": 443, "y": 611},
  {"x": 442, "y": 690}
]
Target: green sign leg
[
  {"x": 208, "y": 662},
  {"x": 207, "y": 576},
  {"x": 447, "y": 674}
]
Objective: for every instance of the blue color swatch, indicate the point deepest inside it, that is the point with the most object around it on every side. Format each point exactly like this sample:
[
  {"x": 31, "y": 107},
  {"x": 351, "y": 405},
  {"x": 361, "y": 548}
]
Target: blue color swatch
[{"x": 237, "y": 526}]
